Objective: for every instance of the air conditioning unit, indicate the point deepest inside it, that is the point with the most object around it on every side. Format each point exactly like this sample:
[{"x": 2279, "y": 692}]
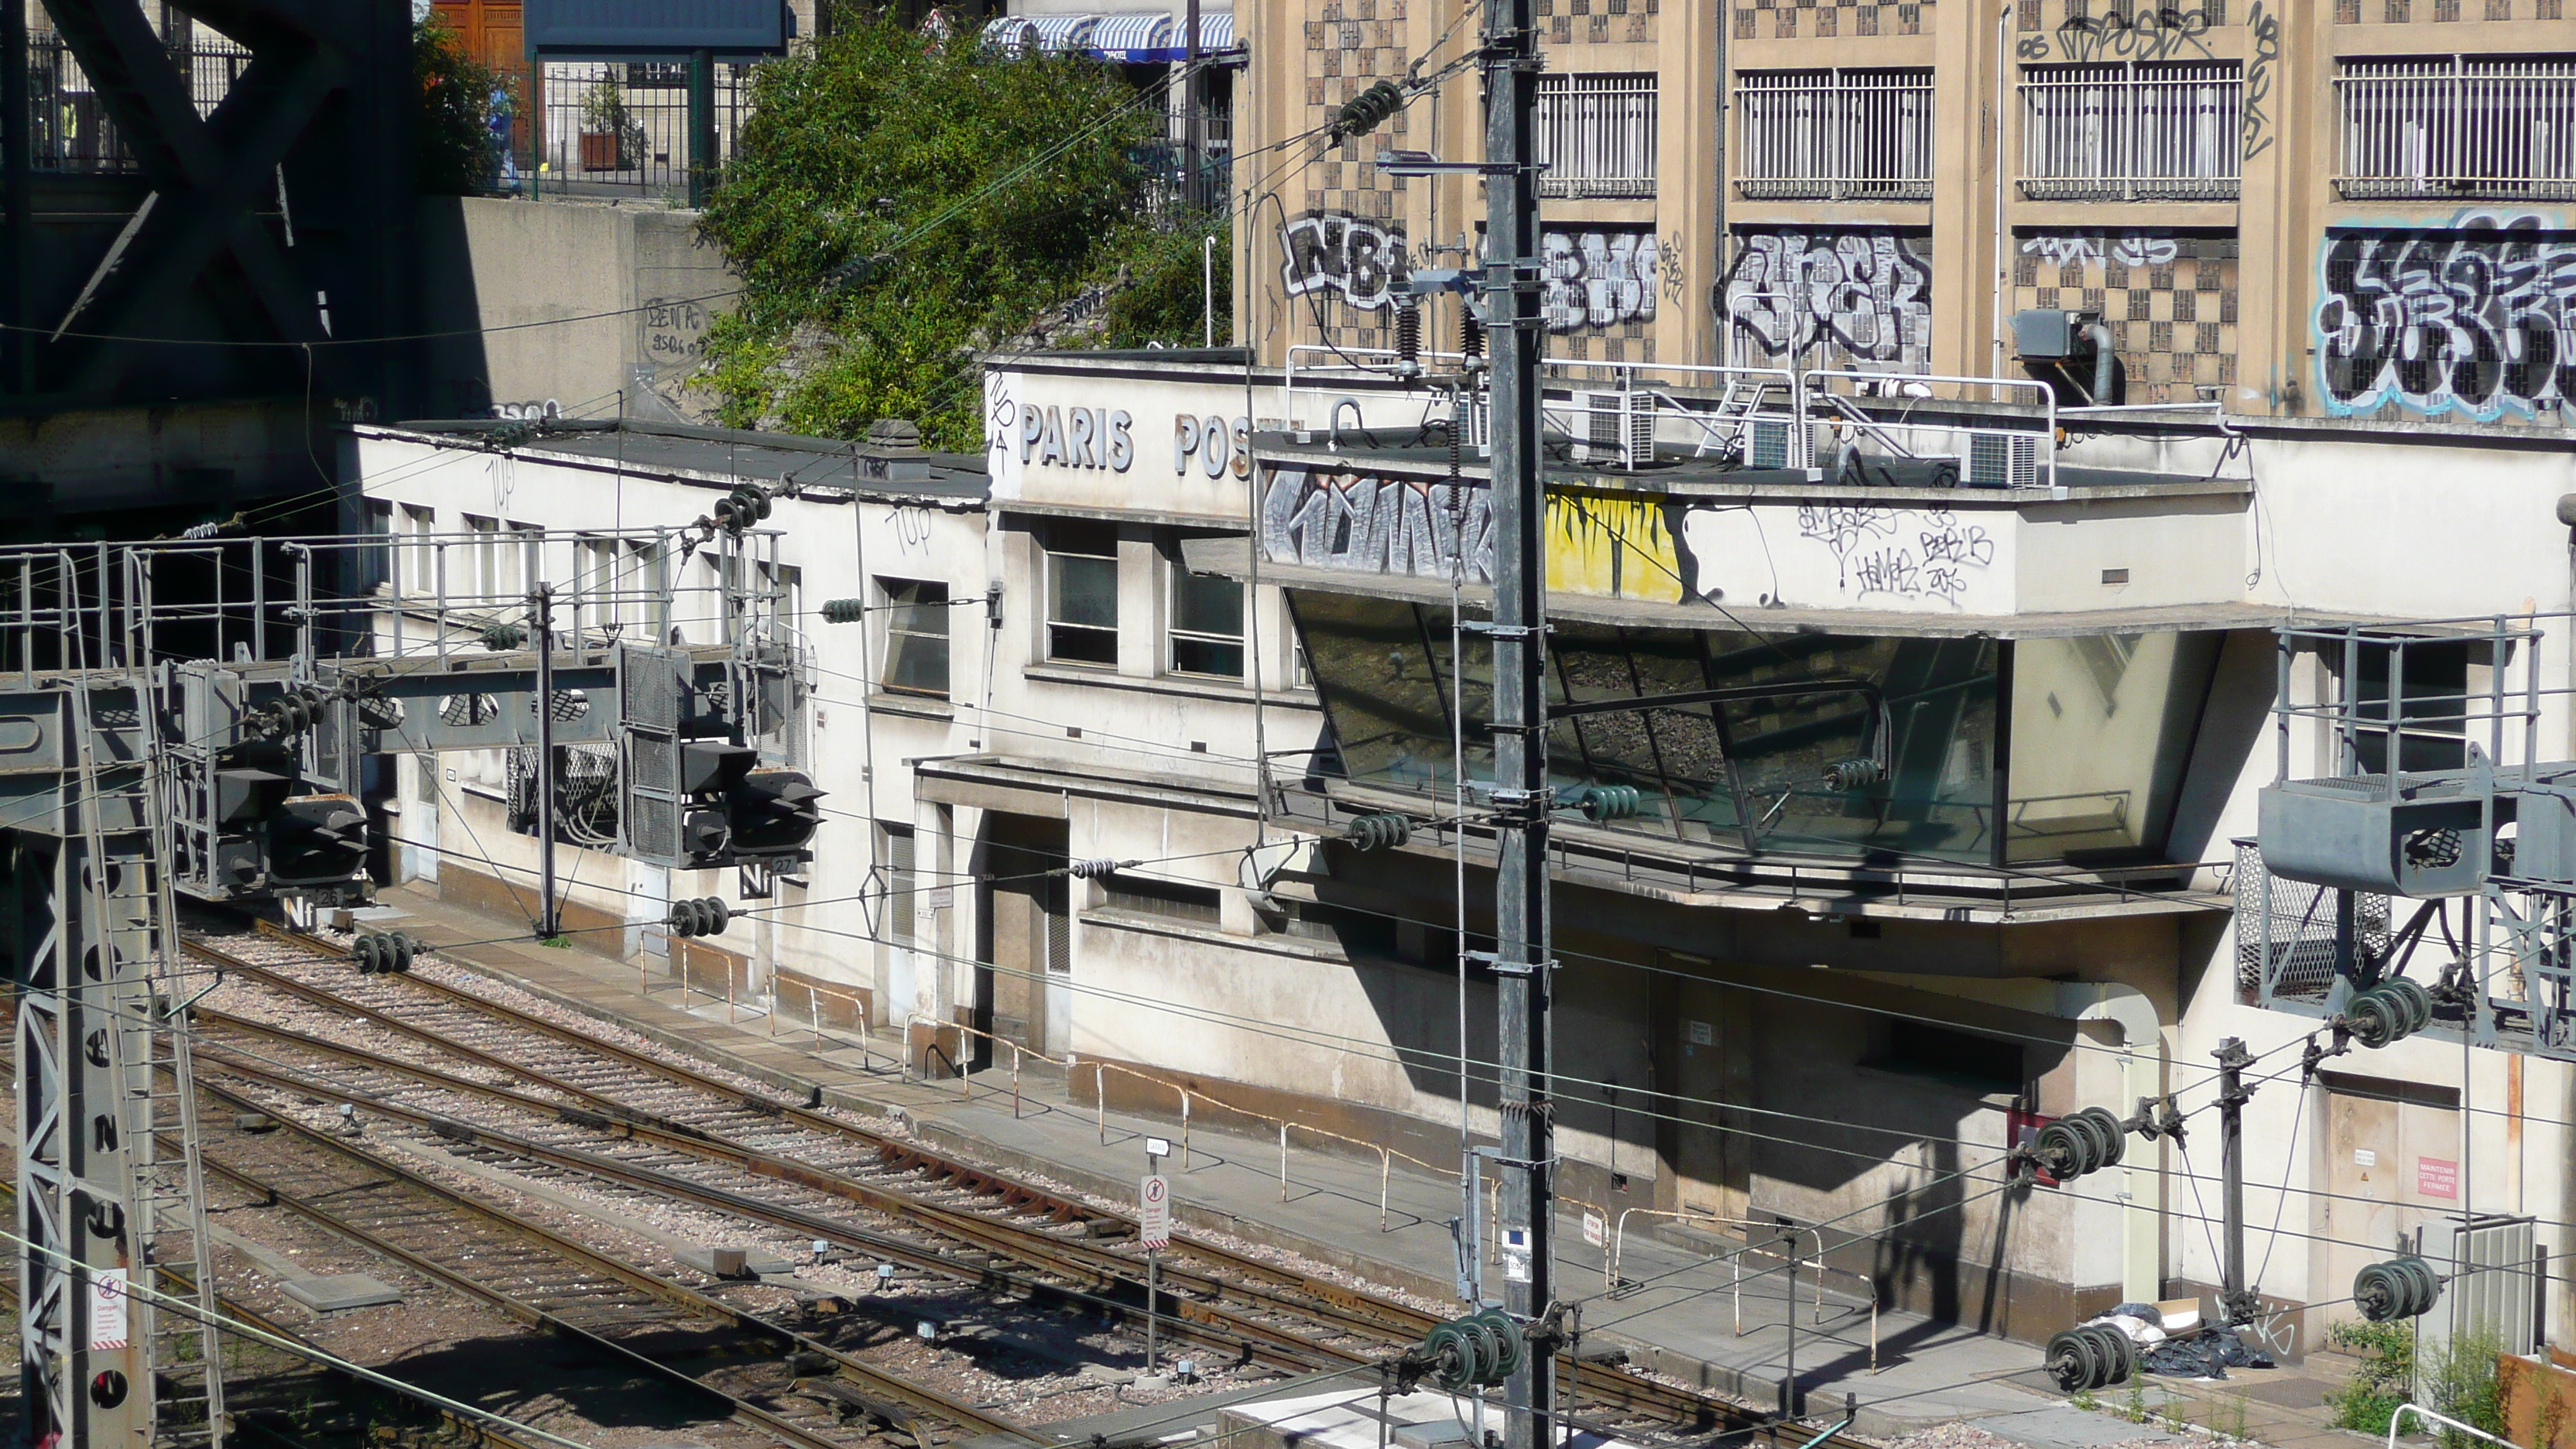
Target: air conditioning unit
[
  {"x": 2002, "y": 460},
  {"x": 1618, "y": 428}
]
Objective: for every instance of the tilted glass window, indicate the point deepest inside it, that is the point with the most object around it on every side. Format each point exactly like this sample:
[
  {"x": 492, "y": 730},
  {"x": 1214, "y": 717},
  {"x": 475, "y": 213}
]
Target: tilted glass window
[
  {"x": 1759, "y": 765},
  {"x": 1207, "y": 625}
]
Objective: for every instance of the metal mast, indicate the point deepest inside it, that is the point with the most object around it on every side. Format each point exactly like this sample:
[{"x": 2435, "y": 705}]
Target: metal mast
[{"x": 1510, "y": 292}]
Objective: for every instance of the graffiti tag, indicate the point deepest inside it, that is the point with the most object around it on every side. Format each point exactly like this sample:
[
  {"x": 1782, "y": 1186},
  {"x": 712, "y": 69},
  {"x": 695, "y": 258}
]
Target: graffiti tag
[
  {"x": 2477, "y": 318},
  {"x": 1334, "y": 251},
  {"x": 2134, "y": 250},
  {"x": 2265, "y": 29},
  {"x": 1598, "y": 278},
  {"x": 2147, "y": 35},
  {"x": 1362, "y": 524},
  {"x": 1917, "y": 554},
  {"x": 1864, "y": 294}
]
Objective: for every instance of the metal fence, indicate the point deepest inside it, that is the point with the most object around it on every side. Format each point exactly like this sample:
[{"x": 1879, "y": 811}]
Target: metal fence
[
  {"x": 2131, "y": 131},
  {"x": 1596, "y": 135},
  {"x": 69, "y": 129},
  {"x": 1835, "y": 134},
  {"x": 2458, "y": 128},
  {"x": 1171, "y": 184},
  {"x": 622, "y": 127}
]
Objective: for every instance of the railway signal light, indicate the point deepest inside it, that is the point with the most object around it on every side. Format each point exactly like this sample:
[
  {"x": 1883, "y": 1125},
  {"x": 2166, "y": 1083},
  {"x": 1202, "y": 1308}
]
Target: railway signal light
[
  {"x": 387, "y": 951},
  {"x": 772, "y": 812},
  {"x": 2399, "y": 1288},
  {"x": 706, "y": 916},
  {"x": 2091, "y": 1356},
  {"x": 316, "y": 840},
  {"x": 2389, "y": 1012}
]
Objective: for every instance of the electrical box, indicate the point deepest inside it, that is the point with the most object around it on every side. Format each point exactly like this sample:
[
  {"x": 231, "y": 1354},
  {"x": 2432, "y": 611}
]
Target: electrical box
[
  {"x": 2429, "y": 839},
  {"x": 2048, "y": 334}
]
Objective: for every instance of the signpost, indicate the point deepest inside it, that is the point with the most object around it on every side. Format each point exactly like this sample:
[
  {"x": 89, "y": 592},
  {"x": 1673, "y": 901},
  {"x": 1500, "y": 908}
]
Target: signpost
[{"x": 1154, "y": 1231}]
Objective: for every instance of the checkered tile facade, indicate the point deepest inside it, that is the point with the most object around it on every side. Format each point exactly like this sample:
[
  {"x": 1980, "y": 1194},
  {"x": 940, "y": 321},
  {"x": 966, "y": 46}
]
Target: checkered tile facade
[
  {"x": 2168, "y": 297},
  {"x": 1828, "y": 19}
]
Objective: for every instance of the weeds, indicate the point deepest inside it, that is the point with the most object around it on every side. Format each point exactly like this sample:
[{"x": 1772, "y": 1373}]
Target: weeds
[{"x": 2377, "y": 1389}]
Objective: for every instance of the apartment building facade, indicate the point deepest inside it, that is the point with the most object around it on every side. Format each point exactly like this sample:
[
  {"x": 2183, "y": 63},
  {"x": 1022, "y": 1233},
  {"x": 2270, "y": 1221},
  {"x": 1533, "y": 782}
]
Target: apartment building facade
[{"x": 2341, "y": 210}]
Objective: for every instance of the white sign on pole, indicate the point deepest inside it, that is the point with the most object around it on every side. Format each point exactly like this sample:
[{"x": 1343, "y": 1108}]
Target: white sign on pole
[
  {"x": 1593, "y": 1229},
  {"x": 1154, "y": 1211},
  {"x": 107, "y": 1309},
  {"x": 1516, "y": 1255}
]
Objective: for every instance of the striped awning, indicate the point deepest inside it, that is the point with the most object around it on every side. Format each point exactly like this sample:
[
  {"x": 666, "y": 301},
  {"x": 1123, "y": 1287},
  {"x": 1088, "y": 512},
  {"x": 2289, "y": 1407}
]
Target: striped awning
[
  {"x": 1008, "y": 32},
  {"x": 1142, "y": 36},
  {"x": 1057, "y": 34},
  {"x": 1216, "y": 38},
  {"x": 1216, "y": 31}
]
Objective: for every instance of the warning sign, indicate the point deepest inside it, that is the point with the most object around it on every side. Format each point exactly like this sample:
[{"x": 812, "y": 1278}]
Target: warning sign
[
  {"x": 1154, "y": 1211},
  {"x": 1592, "y": 1229},
  {"x": 107, "y": 1309},
  {"x": 2436, "y": 1177}
]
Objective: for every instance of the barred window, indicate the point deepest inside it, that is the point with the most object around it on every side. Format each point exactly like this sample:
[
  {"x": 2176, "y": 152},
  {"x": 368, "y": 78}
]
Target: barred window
[
  {"x": 1596, "y": 135},
  {"x": 2458, "y": 128},
  {"x": 2130, "y": 131},
  {"x": 1835, "y": 134}
]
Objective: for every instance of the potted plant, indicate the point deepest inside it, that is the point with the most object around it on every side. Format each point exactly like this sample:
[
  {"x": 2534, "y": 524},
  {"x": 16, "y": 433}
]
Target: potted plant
[{"x": 609, "y": 135}]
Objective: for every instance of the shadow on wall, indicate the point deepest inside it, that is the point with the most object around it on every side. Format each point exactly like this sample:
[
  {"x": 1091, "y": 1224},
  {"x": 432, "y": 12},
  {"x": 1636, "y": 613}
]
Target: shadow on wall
[{"x": 459, "y": 374}]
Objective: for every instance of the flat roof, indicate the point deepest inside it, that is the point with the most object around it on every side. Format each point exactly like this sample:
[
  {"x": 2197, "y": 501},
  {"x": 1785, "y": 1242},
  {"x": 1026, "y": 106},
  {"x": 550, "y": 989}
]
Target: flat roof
[{"x": 685, "y": 452}]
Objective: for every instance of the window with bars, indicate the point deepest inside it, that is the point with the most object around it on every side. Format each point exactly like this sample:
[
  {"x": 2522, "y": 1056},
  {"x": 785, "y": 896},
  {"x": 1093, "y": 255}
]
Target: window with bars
[
  {"x": 1863, "y": 135},
  {"x": 2453, "y": 127},
  {"x": 1596, "y": 135},
  {"x": 2131, "y": 132}
]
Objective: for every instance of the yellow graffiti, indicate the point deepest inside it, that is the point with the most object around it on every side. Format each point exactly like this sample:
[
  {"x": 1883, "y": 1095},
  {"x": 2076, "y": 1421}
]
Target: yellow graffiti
[{"x": 1613, "y": 546}]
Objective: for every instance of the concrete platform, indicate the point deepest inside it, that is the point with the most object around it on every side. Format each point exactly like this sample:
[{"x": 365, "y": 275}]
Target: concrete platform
[
  {"x": 340, "y": 1292},
  {"x": 1683, "y": 1322}
]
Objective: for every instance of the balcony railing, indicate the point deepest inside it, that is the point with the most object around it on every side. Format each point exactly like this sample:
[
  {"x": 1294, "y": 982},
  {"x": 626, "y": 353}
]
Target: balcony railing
[
  {"x": 2131, "y": 132},
  {"x": 69, "y": 129},
  {"x": 1596, "y": 135},
  {"x": 1835, "y": 135},
  {"x": 2452, "y": 128}
]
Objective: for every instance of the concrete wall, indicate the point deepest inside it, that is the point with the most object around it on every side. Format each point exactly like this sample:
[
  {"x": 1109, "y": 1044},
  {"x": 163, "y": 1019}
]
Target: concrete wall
[{"x": 575, "y": 304}]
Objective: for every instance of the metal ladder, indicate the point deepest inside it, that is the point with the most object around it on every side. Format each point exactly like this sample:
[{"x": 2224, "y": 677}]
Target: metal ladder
[{"x": 126, "y": 839}]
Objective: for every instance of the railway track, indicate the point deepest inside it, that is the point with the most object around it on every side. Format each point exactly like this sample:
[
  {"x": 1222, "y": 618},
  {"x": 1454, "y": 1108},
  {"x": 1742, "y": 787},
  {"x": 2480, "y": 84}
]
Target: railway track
[
  {"x": 577, "y": 1104},
  {"x": 781, "y": 1384}
]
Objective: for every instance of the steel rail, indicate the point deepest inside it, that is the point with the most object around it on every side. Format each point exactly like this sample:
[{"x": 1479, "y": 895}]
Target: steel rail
[
  {"x": 909, "y": 1396},
  {"x": 1216, "y": 1329},
  {"x": 1337, "y": 1307}
]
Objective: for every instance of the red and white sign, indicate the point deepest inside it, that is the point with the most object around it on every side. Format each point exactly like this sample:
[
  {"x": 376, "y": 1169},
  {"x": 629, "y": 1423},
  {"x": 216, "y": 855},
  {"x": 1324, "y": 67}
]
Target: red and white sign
[
  {"x": 1154, "y": 1212},
  {"x": 107, "y": 1309},
  {"x": 1593, "y": 1229},
  {"x": 2436, "y": 1177}
]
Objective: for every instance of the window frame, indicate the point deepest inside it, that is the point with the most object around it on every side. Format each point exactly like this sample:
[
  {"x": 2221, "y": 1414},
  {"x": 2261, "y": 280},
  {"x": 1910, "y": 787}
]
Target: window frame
[
  {"x": 1175, "y": 635},
  {"x": 1053, "y": 550},
  {"x": 889, "y": 596}
]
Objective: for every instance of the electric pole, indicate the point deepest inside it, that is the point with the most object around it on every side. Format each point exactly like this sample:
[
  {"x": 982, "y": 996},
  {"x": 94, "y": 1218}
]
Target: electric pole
[
  {"x": 1510, "y": 291},
  {"x": 541, "y": 604},
  {"x": 2236, "y": 1300}
]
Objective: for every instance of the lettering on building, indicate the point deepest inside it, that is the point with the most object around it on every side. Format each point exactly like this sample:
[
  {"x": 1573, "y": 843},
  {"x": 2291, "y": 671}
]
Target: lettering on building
[
  {"x": 1212, "y": 445},
  {"x": 1858, "y": 297},
  {"x": 2472, "y": 318},
  {"x": 1077, "y": 437},
  {"x": 1357, "y": 257}
]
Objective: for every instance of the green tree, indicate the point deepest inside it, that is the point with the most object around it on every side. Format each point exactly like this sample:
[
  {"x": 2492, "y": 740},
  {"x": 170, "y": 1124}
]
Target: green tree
[
  {"x": 897, "y": 202},
  {"x": 454, "y": 154}
]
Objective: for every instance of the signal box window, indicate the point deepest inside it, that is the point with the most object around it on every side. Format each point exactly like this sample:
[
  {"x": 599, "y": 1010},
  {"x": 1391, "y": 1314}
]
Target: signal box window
[
  {"x": 1082, "y": 593},
  {"x": 916, "y": 655}
]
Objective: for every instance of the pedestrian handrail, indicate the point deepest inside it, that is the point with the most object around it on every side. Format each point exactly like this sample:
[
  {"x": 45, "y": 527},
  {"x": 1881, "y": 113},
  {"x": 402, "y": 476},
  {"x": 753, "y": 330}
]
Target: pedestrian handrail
[
  {"x": 2420, "y": 1412},
  {"x": 1869, "y": 1290},
  {"x": 1386, "y": 1155}
]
